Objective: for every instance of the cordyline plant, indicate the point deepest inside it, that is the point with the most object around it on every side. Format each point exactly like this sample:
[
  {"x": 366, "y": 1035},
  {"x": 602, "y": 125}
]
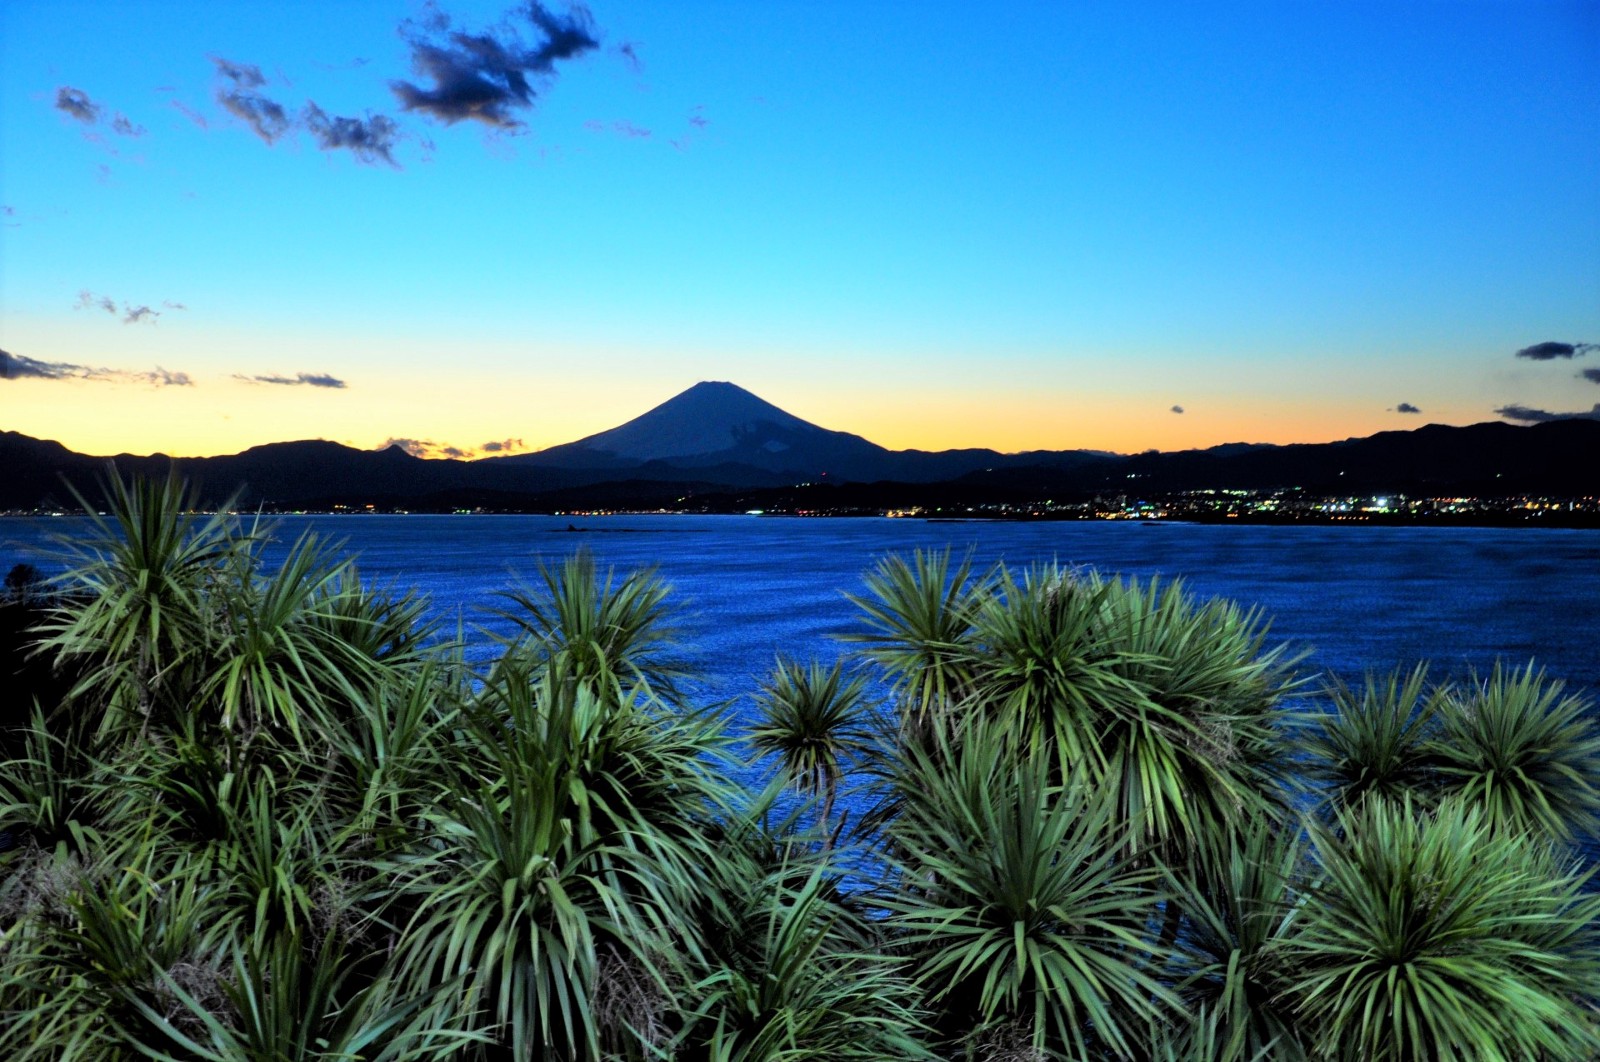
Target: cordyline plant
[{"x": 279, "y": 817}]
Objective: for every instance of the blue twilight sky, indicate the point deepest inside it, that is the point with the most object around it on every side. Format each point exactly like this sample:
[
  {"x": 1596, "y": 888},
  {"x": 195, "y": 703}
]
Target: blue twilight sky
[{"x": 934, "y": 224}]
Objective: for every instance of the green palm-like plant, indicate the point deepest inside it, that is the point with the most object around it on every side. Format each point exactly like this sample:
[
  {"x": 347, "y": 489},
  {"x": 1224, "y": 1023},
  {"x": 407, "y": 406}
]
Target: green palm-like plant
[
  {"x": 814, "y": 720},
  {"x": 1239, "y": 891},
  {"x": 1375, "y": 742},
  {"x": 804, "y": 987},
  {"x": 1195, "y": 732},
  {"x": 1013, "y": 901},
  {"x": 920, "y": 614},
  {"x": 134, "y": 605},
  {"x": 1514, "y": 746},
  {"x": 289, "y": 1000},
  {"x": 1432, "y": 935},
  {"x": 574, "y": 842},
  {"x": 610, "y": 633}
]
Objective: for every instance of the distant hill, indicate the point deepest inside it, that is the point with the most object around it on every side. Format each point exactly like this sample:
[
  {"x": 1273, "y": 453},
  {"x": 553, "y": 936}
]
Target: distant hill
[{"x": 720, "y": 437}]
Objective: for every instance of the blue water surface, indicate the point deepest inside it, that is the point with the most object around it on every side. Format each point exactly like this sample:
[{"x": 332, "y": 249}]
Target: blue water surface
[{"x": 1356, "y": 599}]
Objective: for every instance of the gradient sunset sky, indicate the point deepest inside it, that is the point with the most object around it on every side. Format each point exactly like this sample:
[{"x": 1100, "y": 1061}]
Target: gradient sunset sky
[{"x": 1115, "y": 226}]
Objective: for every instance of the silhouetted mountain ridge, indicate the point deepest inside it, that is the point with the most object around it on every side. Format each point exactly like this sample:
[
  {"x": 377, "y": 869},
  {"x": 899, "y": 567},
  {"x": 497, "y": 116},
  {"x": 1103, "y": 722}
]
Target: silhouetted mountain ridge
[{"x": 718, "y": 436}]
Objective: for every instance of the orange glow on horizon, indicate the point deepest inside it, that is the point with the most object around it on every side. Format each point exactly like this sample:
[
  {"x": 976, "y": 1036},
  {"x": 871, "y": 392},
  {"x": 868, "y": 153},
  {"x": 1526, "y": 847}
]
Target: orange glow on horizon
[{"x": 224, "y": 417}]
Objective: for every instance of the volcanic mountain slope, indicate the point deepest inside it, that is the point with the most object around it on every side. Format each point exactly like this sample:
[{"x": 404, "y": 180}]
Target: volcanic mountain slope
[
  {"x": 714, "y": 423},
  {"x": 718, "y": 429}
]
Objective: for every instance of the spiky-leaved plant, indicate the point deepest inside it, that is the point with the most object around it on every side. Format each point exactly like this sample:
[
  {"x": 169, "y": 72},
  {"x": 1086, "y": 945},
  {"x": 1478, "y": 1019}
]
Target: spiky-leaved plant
[
  {"x": 799, "y": 973},
  {"x": 919, "y": 615},
  {"x": 1528, "y": 754},
  {"x": 134, "y": 609},
  {"x": 1375, "y": 741},
  {"x": 1432, "y": 935},
  {"x": 1014, "y": 899},
  {"x": 605, "y": 631},
  {"x": 816, "y": 722},
  {"x": 1239, "y": 892}
]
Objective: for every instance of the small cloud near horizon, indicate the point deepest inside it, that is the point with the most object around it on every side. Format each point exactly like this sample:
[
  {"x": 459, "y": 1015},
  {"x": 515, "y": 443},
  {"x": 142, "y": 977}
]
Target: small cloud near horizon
[
  {"x": 1406, "y": 407},
  {"x": 1528, "y": 415},
  {"x": 19, "y": 366},
  {"x": 430, "y": 450},
  {"x": 1551, "y": 349},
  {"x": 299, "y": 379},
  {"x": 1592, "y": 375},
  {"x": 1177, "y": 409}
]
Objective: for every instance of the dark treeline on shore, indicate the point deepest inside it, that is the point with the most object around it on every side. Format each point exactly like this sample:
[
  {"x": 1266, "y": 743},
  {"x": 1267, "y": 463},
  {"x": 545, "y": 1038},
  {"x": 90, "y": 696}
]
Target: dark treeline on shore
[{"x": 254, "y": 812}]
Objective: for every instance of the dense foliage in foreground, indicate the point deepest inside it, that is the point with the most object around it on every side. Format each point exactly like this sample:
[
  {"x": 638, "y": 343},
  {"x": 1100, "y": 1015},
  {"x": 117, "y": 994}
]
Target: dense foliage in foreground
[{"x": 276, "y": 817}]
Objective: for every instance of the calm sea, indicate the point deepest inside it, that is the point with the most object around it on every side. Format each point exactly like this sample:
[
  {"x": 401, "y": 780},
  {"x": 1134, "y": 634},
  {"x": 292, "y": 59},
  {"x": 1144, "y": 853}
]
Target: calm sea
[{"x": 747, "y": 588}]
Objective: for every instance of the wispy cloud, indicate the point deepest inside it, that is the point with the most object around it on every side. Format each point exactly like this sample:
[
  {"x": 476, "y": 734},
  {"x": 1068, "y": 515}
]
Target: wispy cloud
[
  {"x": 370, "y": 139},
  {"x": 76, "y": 103},
  {"x": 1406, "y": 407},
  {"x": 123, "y": 126},
  {"x": 190, "y": 113},
  {"x": 1551, "y": 349},
  {"x": 131, "y": 313},
  {"x": 238, "y": 96},
  {"x": 489, "y": 76},
  {"x": 502, "y": 446},
  {"x": 20, "y": 367},
  {"x": 299, "y": 379},
  {"x": 1528, "y": 415}
]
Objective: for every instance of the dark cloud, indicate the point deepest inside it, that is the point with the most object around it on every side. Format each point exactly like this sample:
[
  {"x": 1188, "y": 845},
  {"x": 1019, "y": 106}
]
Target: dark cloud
[
  {"x": 630, "y": 55},
  {"x": 1592, "y": 375},
  {"x": 239, "y": 98},
  {"x": 488, "y": 76},
  {"x": 136, "y": 314},
  {"x": 17, "y": 366},
  {"x": 1406, "y": 407},
  {"x": 301, "y": 379},
  {"x": 1177, "y": 409},
  {"x": 1540, "y": 416},
  {"x": 1550, "y": 349},
  {"x": 77, "y": 103},
  {"x": 243, "y": 75},
  {"x": 123, "y": 127},
  {"x": 267, "y": 118},
  {"x": 454, "y": 452},
  {"x": 501, "y": 446},
  {"x": 369, "y": 139}
]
